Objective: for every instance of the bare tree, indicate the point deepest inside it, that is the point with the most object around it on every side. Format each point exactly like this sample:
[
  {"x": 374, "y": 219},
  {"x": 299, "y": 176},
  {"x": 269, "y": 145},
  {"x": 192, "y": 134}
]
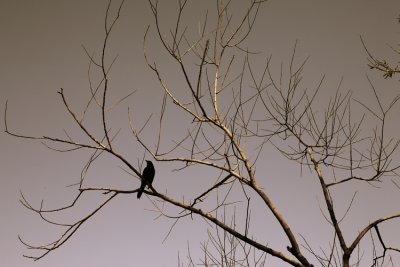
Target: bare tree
[{"x": 232, "y": 113}]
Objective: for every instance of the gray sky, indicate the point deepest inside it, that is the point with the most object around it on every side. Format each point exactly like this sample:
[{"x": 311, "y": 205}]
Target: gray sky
[{"x": 41, "y": 51}]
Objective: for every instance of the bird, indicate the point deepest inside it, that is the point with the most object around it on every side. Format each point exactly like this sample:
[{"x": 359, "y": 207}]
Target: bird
[{"x": 147, "y": 177}]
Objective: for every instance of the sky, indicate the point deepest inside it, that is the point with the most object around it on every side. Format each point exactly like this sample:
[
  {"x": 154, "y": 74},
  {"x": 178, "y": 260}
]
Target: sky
[{"x": 41, "y": 52}]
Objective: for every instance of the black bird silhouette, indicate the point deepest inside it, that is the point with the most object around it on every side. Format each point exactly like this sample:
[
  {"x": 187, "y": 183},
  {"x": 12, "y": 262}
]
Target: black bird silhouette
[{"x": 148, "y": 177}]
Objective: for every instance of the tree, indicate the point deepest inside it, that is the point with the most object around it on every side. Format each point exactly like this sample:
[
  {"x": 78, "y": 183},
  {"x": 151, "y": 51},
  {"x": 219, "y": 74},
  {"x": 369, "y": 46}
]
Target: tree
[{"x": 232, "y": 113}]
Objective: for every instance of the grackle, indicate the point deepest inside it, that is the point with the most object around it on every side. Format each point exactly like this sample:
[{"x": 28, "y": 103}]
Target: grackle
[{"x": 148, "y": 177}]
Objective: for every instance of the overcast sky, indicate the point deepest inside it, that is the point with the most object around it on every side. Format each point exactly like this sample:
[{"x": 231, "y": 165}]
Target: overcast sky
[{"x": 41, "y": 52}]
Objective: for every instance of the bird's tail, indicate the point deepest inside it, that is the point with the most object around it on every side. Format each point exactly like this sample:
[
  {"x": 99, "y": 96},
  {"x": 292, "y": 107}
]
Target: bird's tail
[{"x": 141, "y": 189}]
